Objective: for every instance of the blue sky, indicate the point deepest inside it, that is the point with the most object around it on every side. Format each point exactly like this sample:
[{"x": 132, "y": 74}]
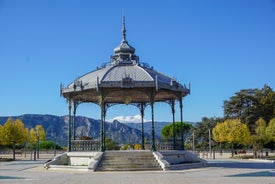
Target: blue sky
[{"x": 219, "y": 46}]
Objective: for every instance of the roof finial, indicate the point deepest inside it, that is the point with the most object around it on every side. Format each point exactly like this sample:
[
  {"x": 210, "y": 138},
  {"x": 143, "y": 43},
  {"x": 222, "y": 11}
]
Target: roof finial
[{"x": 123, "y": 27}]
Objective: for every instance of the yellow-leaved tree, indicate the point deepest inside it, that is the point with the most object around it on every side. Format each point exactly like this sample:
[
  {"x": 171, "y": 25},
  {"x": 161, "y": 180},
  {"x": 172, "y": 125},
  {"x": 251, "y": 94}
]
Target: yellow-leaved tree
[
  {"x": 36, "y": 135},
  {"x": 231, "y": 131},
  {"x": 1, "y": 135},
  {"x": 260, "y": 136},
  {"x": 270, "y": 130},
  {"x": 13, "y": 133}
]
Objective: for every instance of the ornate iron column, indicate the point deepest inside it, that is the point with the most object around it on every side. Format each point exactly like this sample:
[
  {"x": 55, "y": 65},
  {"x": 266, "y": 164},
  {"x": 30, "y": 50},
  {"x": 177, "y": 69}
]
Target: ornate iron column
[
  {"x": 103, "y": 124},
  {"x": 103, "y": 115},
  {"x": 69, "y": 126},
  {"x": 152, "y": 101},
  {"x": 142, "y": 106},
  {"x": 102, "y": 131},
  {"x": 181, "y": 123},
  {"x": 74, "y": 114},
  {"x": 172, "y": 103}
]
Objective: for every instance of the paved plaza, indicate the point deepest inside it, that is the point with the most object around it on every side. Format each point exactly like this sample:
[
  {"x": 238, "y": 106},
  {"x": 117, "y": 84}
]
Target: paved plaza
[{"x": 218, "y": 171}]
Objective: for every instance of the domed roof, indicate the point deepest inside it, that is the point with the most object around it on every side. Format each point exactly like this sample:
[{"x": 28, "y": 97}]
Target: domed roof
[
  {"x": 124, "y": 76},
  {"x": 124, "y": 47}
]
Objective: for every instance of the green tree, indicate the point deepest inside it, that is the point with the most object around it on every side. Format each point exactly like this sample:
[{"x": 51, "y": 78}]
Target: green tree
[
  {"x": 270, "y": 130},
  {"x": 111, "y": 145},
  {"x": 36, "y": 135},
  {"x": 201, "y": 131},
  {"x": 126, "y": 146},
  {"x": 84, "y": 137},
  {"x": 167, "y": 131},
  {"x": 1, "y": 135},
  {"x": 13, "y": 133},
  {"x": 251, "y": 104},
  {"x": 260, "y": 136},
  {"x": 266, "y": 108},
  {"x": 49, "y": 145}
]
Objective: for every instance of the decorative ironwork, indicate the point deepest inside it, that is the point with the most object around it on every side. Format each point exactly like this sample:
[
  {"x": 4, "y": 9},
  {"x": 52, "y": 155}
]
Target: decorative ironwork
[
  {"x": 85, "y": 145},
  {"x": 127, "y": 82},
  {"x": 78, "y": 83},
  {"x": 170, "y": 145}
]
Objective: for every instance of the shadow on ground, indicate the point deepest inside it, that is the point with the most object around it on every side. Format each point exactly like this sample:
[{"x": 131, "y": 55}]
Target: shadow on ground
[{"x": 242, "y": 164}]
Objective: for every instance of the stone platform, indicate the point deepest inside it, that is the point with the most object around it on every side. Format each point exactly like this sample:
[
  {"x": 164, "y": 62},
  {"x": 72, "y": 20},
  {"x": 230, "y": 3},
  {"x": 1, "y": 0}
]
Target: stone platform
[{"x": 132, "y": 160}]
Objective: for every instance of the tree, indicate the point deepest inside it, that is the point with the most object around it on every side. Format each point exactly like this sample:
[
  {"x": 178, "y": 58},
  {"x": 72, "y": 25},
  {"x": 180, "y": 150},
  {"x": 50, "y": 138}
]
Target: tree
[
  {"x": 201, "y": 131},
  {"x": 13, "y": 133},
  {"x": 266, "y": 106},
  {"x": 137, "y": 147},
  {"x": 220, "y": 132},
  {"x": 49, "y": 145},
  {"x": 231, "y": 131},
  {"x": 1, "y": 135},
  {"x": 260, "y": 136},
  {"x": 168, "y": 131},
  {"x": 249, "y": 105},
  {"x": 84, "y": 137},
  {"x": 36, "y": 135},
  {"x": 270, "y": 130},
  {"x": 111, "y": 145}
]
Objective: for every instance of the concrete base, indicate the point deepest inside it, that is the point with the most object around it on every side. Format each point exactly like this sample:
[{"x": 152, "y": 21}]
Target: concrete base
[
  {"x": 82, "y": 161},
  {"x": 178, "y": 160},
  {"x": 88, "y": 161}
]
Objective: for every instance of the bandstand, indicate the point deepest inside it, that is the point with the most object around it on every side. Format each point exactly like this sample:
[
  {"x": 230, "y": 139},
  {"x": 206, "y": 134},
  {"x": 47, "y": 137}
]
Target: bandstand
[{"x": 124, "y": 80}]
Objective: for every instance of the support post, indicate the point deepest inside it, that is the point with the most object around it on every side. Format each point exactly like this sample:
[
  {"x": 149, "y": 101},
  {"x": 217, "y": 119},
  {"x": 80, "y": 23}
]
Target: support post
[
  {"x": 181, "y": 123},
  {"x": 142, "y": 125},
  {"x": 102, "y": 126},
  {"x": 104, "y": 118},
  {"x": 210, "y": 147},
  {"x": 69, "y": 126},
  {"x": 153, "y": 147},
  {"x": 172, "y": 103},
  {"x": 74, "y": 116}
]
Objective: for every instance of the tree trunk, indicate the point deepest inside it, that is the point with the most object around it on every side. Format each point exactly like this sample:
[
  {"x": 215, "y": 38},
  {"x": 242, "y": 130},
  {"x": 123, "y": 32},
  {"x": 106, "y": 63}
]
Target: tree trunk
[
  {"x": 232, "y": 150},
  {"x": 13, "y": 152},
  {"x": 34, "y": 154},
  {"x": 38, "y": 149}
]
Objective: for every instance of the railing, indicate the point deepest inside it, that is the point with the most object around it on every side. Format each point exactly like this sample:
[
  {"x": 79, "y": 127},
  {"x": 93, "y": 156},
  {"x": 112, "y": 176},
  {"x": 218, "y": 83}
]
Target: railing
[
  {"x": 85, "y": 145},
  {"x": 169, "y": 145},
  {"x": 92, "y": 145}
]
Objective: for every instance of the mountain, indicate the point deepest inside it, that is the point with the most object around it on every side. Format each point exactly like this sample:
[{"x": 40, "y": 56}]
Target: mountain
[
  {"x": 56, "y": 128},
  {"x": 148, "y": 126}
]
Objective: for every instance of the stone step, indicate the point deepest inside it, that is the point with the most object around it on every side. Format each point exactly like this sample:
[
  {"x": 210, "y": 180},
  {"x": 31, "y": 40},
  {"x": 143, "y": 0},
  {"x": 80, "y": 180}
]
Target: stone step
[
  {"x": 136, "y": 159},
  {"x": 102, "y": 169},
  {"x": 128, "y": 161},
  {"x": 128, "y": 164}
]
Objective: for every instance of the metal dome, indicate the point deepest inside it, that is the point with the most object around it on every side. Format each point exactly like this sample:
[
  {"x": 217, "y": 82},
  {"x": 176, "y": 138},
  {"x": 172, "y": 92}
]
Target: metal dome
[
  {"x": 124, "y": 74},
  {"x": 124, "y": 80}
]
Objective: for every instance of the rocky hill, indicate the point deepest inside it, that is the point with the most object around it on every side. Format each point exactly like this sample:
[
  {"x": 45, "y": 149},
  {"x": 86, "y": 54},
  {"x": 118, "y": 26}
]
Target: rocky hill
[{"x": 56, "y": 128}]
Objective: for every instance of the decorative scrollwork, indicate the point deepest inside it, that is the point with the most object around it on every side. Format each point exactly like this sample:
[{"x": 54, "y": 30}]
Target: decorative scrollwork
[{"x": 127, "y": 82}]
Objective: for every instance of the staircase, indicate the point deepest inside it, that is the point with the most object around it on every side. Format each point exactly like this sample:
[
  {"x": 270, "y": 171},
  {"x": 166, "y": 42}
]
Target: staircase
[{"x": 128, "y": 161}]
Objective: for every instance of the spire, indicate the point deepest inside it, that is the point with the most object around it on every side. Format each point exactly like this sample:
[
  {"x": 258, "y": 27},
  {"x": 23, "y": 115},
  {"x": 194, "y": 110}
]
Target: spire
[
  {"x": 124, "y": 53},
  {"x": 124, "y": 46},
  {"x": 123, "y": 29}
]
